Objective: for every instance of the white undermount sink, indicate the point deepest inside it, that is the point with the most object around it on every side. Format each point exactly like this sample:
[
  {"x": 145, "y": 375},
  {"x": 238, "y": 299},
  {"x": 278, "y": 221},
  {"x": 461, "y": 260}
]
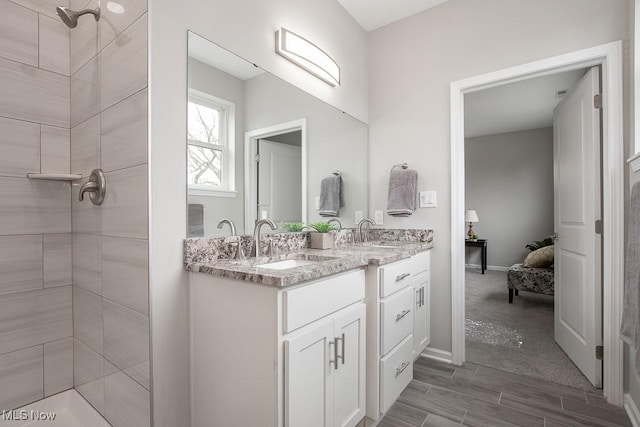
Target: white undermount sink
[{"x": 286, "y": 264}]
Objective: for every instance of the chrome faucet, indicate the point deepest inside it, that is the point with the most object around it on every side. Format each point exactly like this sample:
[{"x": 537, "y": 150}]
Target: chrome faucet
[
  {"x": 231, "y": 224},
  {"x": 363, "y": 237},
  {"x": 332, "y": 220},
  {"x": 255, "y": 247}
]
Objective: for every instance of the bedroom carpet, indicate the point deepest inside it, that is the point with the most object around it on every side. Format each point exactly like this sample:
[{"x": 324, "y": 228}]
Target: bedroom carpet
[{"x": 514, "y": 337}]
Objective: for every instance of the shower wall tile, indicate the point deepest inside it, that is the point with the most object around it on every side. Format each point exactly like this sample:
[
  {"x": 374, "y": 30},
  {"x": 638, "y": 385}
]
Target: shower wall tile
[
  {"x": 18, "y": 33},
  {"x": 115, "y": 23},
  {"x": 84, "y": 38},
  {"x": 85, "y": 146},
  {"x": 19, "y": 147},
  {"x": 140, "y": 374},
  {"x": 56, "y": 149},
  {"x": 35, "y": 317},
  {"x": 126, "y": 337},
  {"x": 87, "y": 270},
  {"x": 32, "y": 94},
  {"x": 124, "y": 64},
  {"x": 87, "y": 318},
  {"x": 124, "y": 211},
  {"x": 20, "y": 263},
  {"x": 58, "y": 366},
  {"x": 46, "y": 7},
  {"x": 87, "y": 217},
  {"x": 125, "y": 272},
  {"x": 21, "y": 377},
  {"x": 58, "y": 252},
  {"x": 89, "y": 370},
  {"x": 124, "y": 133},
  {"x": 53, "y": 36},
  {"x": 85, "y": 92},
  {"x": 126, "y": 403},
  {"x": 34, "y": 207}
]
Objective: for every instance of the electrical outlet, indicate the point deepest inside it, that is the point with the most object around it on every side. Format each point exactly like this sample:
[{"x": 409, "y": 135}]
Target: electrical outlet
[
  {"x": 317, "y": 203},
  {"x": 379, "y": 217},
  {"x": 428, "y": 199},
  {"x": 263, "y": 215},
  {"x": 359, "y": 215}
]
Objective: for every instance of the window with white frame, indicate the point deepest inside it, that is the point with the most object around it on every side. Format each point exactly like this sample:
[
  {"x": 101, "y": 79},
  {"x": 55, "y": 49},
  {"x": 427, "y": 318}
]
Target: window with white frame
[{"x": 210, "y": 145}]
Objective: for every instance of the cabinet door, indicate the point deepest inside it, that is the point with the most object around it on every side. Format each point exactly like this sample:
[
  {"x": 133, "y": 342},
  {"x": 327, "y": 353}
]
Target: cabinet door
[
  {"x": 308, "y": 383},
  {"x": 421, "y": 313},
  {"x": 349, "y": 377}
]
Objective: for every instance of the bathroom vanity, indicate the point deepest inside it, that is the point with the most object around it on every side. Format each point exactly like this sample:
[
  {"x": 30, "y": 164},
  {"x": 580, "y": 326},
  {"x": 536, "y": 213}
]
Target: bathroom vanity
[{"x": 306, "y": 338}]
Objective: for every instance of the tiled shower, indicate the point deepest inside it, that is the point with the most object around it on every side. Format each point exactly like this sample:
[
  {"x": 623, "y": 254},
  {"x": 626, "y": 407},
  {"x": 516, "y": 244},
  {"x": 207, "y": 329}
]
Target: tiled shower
[{"x": 73, "y": 275}]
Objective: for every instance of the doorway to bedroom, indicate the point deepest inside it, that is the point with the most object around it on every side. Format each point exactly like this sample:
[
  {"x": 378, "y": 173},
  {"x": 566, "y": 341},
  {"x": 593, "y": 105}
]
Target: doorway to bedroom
[{"x": 510, "y": 200}]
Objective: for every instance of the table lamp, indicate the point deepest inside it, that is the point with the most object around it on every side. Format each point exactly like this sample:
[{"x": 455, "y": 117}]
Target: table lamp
[{"x": 470, "y": 216}]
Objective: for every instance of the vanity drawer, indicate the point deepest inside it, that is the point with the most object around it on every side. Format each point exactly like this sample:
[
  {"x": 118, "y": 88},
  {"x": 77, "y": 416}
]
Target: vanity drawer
[
  {"x": 396, "y": 372},
  {"x": 305, "y": 304},
  {"x": 421, "y": 262},
  {"x": 394, "y": 277},
  {"x": 397, "y": 319}
]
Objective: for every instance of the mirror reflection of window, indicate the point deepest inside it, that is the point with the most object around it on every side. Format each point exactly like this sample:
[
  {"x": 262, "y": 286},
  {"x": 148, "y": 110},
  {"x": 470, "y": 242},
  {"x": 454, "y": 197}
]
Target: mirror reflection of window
[{"x": 209, "y": 157}]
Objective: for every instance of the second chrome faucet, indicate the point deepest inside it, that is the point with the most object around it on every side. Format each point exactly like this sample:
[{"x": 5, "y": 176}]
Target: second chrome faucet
[{"x": 256, "y": 251}]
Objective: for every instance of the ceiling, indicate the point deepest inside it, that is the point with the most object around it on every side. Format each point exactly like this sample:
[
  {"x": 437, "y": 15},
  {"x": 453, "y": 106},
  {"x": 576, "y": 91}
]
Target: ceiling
[
  {"x": 372, "y": 14},
  {"x": 523, "y": 105}
]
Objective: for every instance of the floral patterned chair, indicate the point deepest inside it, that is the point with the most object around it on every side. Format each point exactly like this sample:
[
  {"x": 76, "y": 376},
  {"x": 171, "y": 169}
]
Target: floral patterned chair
[{"x": 521, "y": 278}]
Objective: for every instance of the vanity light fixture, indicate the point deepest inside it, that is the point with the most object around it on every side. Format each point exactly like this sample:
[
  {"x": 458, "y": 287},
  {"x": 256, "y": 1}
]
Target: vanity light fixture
[{"x": 307, "y": 55}]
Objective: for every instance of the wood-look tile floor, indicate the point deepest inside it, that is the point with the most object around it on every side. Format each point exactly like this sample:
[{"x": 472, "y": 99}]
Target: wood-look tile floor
[{"x": 443, "y": 395}]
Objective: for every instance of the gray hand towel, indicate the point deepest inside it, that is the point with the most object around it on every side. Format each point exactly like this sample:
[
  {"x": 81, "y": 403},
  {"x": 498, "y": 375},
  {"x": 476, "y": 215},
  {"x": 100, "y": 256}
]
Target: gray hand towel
[
  {"x": 331, "y": 198},
  {"x": 196, "y": 220},
  {"x": 630, "y": 328},
  {"x": 403, "y": 184}
]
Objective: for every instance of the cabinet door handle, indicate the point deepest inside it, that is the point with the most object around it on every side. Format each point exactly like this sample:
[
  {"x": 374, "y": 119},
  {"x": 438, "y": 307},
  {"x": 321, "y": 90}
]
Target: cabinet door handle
[
  {"x": 402, "y": 367},
  {"x": 341, "y": 357},
  {"x": 401, "y": 315},
  {"x": 333, "y": 362},
  {"x": 421, "y": 296},
  {"x": 402, "y": 276}
]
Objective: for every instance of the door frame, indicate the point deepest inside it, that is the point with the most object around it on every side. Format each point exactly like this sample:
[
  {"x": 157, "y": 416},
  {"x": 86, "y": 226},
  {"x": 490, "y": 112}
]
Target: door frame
[
  {"x": 250, "y": 143},
  {"x": 609, "y": 57}
]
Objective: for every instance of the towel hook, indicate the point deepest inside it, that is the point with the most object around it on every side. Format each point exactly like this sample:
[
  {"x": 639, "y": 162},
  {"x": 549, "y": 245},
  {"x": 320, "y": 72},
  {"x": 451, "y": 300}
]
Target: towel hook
[
  {"x": 337, "y": 172},
  {"x": 402, "y": 165}
]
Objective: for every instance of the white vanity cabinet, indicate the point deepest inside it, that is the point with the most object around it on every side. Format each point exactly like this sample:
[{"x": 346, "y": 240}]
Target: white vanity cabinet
[
  {"x": 398, "y": 328},
  {"x": 285, "y": 357}
]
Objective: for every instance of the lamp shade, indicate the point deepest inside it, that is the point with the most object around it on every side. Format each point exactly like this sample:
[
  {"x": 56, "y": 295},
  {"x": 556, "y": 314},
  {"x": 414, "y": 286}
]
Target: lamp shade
[{"x": 471, "y": 216}]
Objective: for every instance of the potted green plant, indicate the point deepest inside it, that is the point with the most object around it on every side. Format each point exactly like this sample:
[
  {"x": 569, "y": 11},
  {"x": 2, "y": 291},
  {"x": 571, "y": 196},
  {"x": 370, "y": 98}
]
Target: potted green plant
[
  {"x": 321, "y": 238},
  {"x": 293, "y": 227}
]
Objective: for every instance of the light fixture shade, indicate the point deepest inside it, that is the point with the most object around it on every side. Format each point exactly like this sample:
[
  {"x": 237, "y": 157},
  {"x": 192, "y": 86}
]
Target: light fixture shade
[
  {"x": 307, "y": 55},
  {"x": 471, "y": 216}
]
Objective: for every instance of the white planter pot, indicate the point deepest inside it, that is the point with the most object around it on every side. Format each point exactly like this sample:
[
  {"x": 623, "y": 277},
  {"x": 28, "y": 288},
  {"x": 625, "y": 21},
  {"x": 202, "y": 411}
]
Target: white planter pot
[{"x": 321, "y": 241}]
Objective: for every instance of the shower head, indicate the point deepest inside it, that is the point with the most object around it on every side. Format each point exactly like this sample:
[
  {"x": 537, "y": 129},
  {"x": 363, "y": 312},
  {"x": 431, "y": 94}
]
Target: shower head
[{"x": 70, "y": 17}]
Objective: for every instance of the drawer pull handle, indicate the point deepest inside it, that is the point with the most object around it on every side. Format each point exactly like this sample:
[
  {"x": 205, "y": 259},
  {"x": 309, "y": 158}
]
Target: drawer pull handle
[
  {"x": 341, "y": 357},
  {"x": 401, "y": 315},
  {"x": 402, "y": 276},
  {"x": 401, "y": 369}
]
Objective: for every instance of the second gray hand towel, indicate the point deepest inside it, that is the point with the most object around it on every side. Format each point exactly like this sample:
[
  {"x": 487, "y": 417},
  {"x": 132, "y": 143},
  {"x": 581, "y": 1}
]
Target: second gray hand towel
[
  {"x": 331, "y": 199},
  {"x": 403, "y": 185}
]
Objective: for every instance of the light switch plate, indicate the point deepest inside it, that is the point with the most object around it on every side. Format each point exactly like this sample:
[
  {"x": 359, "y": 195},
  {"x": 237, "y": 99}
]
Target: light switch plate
[
  {"x": 379, "y": 217},
  {"x": 263, "y": 214},
  {"x": 428, "y": 199},
  {"x": 358, "y": 216},
  {"x": 317, "y": 203}
]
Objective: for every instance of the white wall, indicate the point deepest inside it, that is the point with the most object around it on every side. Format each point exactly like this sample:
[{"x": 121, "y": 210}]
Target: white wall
[
  {"x": 411, "y": 64},
  {"x": 246, "y": 27},
  {"x": 509, "y": 182}
]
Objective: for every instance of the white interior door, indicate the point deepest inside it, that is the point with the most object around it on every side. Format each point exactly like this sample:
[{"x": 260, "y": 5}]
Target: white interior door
[
  {"x": 279, "y": 182},
  {"x": 576, "y": 145}
]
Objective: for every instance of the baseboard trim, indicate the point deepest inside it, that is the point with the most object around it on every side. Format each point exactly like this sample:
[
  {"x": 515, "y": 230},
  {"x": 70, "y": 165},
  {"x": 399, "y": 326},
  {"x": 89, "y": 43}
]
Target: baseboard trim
[
  {"x": 489, "y": 267},
  {"x": 632, "y": 410},
  {"x": 439, "y": 355}
]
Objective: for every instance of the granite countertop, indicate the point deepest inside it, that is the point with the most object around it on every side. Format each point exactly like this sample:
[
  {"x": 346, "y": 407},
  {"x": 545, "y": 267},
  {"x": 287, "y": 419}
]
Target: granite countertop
[{"x": 328, "y": 262}]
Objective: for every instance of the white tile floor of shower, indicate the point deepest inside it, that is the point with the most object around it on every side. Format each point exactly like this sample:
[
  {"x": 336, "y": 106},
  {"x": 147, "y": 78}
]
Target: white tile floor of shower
[{"x": 66, "y": 409}]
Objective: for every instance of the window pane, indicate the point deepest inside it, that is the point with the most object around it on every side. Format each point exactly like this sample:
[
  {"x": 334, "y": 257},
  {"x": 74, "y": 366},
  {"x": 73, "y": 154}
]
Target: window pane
[
  {"x": 204, "y": 166},
  {"x": 204, "y": 123}
]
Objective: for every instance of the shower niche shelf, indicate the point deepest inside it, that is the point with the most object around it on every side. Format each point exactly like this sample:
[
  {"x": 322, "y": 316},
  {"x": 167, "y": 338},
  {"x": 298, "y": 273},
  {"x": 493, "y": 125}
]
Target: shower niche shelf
[{"x": 54, "y": 176}]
